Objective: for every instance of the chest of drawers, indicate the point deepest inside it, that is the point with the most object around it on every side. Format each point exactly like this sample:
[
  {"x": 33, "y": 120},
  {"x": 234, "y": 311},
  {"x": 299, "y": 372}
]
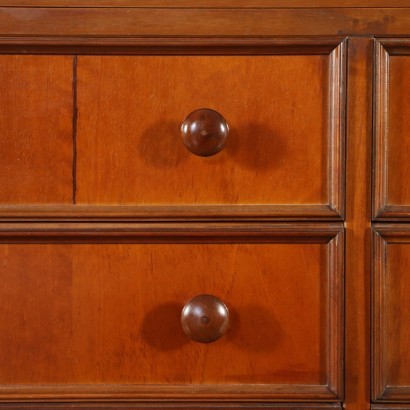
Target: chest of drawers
[{"x": 203, "y": 205}]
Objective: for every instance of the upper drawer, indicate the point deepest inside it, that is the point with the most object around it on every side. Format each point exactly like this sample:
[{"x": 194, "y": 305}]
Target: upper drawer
[
  {"x": 284, "y": 145},
  {"x": 392, "y": 124},
  {"x": 283, "y": 101}
]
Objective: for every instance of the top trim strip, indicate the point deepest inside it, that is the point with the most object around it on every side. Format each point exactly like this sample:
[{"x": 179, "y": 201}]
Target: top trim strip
[{"x": 303, "y": 4}]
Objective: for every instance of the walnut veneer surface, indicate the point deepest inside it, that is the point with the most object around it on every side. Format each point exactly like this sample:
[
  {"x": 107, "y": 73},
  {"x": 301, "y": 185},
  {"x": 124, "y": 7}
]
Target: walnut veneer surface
[{"x": 109, "y": 225}]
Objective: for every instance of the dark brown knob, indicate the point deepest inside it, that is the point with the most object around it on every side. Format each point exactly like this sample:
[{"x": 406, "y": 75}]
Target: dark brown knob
[
  {"x": 204, "y": 132},
  {"x": 205, "y": 318}
]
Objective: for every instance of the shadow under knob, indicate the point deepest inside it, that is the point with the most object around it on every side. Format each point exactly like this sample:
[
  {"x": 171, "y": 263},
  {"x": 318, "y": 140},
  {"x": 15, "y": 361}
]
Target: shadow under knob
[
  {"x": 205, "y": 318},
  {"x": 204, "y": 132}
]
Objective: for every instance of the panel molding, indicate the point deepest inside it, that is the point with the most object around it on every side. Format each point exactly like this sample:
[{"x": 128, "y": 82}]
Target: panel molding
[
  {"x": 331, "y": 234},
  {"x": 382, "y": 209},
  {"x": 335, "y": 48},
  {"x": 383, "y": 235},
  {"x": 171, "y": 406}
]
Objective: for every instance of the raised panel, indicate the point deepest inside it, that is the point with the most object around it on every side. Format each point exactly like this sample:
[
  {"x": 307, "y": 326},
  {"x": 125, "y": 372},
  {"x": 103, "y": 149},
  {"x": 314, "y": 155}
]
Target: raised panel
[
  {"x": 391, "y": 322},
  {"x": 392, "y": 112},
  {"x": 79, "y": 324},
  {"x": 36, "y": 121},
  {"x": 284, "y": 155}
]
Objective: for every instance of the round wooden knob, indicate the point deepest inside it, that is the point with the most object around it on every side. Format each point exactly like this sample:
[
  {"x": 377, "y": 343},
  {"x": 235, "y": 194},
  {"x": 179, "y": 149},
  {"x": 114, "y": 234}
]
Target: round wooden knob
[
  {"x": 204, "y": 132},
  {"x": 205, "y": 318}
]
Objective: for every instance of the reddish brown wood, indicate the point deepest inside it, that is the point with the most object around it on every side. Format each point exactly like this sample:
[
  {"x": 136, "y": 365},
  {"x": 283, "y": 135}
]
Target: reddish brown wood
[
  {"x": 125, "y": 22},
  {"x": 36, "y": 117},
  {"x": 172, "y": 406},
  {"x": 391, "y": 324},
  {"x": 88, "y": 308},
  {"x": 92, "y": 45},
  {"x": 358, "y": 215},
  {"x": 392, "y": 193},
  {"x": 208, "y": 3},
  {"x": 288, "y": 165},
  {"x": 154, "y": 213}
]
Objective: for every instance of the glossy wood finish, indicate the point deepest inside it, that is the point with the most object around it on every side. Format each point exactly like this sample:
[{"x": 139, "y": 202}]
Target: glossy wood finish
[
  {"x": 335, "y": 153},
  {"x": 36, "y": 147},
  {"x": 88, "y": 310},
  {"x": 207, "y": 3},
  {"x": 172, "y": 406},
  {"x": 291, "y": 136},
  {"x": 390, "y": 406},
  {"x": 358, "y": 216},
  {"x": 145, "y": 22},
  {"x": 392, "y": 192},
  {"x": 391, "y": 324}
]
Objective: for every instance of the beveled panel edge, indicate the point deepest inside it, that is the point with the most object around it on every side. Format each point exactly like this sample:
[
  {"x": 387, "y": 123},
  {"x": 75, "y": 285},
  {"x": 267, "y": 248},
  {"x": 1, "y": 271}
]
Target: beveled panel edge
[
  {"x": 336, "y": 269},
  {"x": 168, "y": 393},
  {"x": 165, "y": 213},
  {"x": 172, "y": 406},
  {"x": 389, "y": 406},
  {"x": 393, "y": 232},
  {"x": 380, "y": 127},
  {"x": 378, "y": 339},
  {"x": 381, "y": 208},
  {"x": 337, "y": 129},
  {"x": 179, "y": 232},
  {"x": 382, "y": 235},
  {"x": 395, "y": 394},
  {"x": 169, "y": 45}
]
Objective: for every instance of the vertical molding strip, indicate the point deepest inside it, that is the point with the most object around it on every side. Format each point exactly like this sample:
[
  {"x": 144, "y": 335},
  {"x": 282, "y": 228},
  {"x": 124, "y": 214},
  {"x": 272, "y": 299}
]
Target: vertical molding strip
[{"x": 75, "y": 111}]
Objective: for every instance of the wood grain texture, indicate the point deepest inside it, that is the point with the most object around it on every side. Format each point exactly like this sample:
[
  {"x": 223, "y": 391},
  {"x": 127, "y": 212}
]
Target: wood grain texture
[
  {"x": 194, "y": 45},
  {"x": 391, "y": 325},
  {"x": 290, "y": 135},
  {"x": 87, "y": 308},
  {"x": 174, "y": 213},
  {"x": 171, "y": 406},
  {"x": 392, "y": 108},
  {"x": 208, "y": 3},
  {"x": 358, "y": 215},
  {"x": 112, "y": 22},
  {"x": 36, "y": 130},
  {"x": 389, "y": 406},
  {"x": 131, "y": 142}
]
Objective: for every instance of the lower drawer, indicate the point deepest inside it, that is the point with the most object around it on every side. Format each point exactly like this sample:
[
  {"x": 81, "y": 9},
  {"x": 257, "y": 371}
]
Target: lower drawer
[{"x": 93, "y": 312}]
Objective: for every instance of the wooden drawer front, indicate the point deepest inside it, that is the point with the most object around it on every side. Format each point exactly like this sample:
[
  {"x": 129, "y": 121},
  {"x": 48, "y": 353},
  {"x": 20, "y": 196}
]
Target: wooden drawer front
[
  {"x": 102, "y": 319},
  {"x": 284, "y": 152},
  {"x": 392, "y": 124},
  {"x": 391, "y": 306},
  {"x": 36, "y": 119}
]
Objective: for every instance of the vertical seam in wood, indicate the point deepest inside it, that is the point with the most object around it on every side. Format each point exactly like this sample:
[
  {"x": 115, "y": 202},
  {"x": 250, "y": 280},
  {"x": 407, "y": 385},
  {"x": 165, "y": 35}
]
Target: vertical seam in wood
[{"x": 75, "y": 109}]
